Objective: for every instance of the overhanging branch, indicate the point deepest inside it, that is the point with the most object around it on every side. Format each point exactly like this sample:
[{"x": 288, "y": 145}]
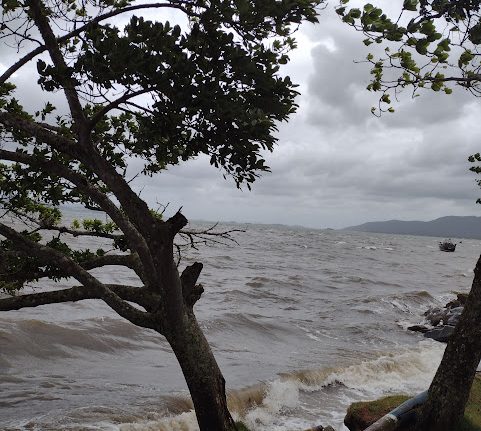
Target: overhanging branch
[
  {"x": 137, "y": 295},
  {"x": 37, "y": 51},
  {"x": 51, "y": 256},
  {"x": 136, "y": 241}
]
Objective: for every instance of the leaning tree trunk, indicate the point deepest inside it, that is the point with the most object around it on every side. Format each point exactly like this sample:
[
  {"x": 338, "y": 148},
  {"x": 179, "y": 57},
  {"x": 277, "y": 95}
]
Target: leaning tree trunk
[
  {"x": 449, "y": 390},
  {"x": 181, "y": 329},
  {"x": 202, "y": 374}
]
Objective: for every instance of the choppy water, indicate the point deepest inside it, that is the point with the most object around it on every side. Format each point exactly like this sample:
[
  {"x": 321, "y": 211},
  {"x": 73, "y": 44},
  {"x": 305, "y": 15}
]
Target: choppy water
[{"x": 301, "y": 321}]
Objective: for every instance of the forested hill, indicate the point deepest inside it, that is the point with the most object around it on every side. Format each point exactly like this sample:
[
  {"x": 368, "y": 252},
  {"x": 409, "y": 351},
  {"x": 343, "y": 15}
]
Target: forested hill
[{"x": 446, "y": 227}]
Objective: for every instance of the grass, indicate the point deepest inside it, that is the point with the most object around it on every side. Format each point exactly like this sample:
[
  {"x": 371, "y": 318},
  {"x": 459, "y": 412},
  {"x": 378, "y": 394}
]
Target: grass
[
  {"x": 241, "y": 426},
  {"x": 472, "y": 414},
  {"x": 362, "y": 413}
]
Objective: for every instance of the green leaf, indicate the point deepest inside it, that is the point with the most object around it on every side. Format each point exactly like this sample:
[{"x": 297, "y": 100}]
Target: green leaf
[
  {"x": 410, "y": 5},
  {"x": 475, "y": 34}
]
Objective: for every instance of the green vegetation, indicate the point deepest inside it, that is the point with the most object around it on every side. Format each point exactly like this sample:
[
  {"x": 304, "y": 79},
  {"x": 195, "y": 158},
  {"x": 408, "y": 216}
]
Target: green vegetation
[
  {"x": 430, "y": 44},
  {"x": 361, "y": 414},
  {"x": 241, "y": 426},
  {"x": 426, "y": 44},
  {"x": 472, "y": 414},
  {"x": 137, "y": 89}
]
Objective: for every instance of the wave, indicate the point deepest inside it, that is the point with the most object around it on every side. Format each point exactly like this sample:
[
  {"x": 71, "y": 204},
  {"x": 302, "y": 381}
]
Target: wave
[
  {"x": 37, "y": 338},
  {"x": 408, "y": 371},
  {"x": 295, "y": 400}
]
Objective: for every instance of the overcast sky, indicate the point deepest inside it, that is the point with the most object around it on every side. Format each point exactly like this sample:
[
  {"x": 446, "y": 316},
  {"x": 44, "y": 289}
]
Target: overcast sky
[{"x": 335, "y": 164}]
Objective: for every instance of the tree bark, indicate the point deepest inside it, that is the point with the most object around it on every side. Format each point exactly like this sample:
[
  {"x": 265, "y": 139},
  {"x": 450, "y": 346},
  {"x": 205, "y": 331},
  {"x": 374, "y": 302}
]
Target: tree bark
[
  {"x": 202, "y": 374},
  {"x": 449, "y": 390}
]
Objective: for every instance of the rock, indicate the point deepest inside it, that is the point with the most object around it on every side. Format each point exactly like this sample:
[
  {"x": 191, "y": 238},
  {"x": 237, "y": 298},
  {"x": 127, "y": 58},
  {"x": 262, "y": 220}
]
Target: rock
[
  {"x": 419, "y": 328},
  {"x": 460, "y": 301},
  {"x": 435, "y": 315},
  {"x": 442, "y": 319},
  {"x": 321, "y": 428},
  {"x": 441, "y": 333},
  {"x": 364, "y": 413},
  {"x": 447, "y": 316},
  {"x": 454, "y": 316}
]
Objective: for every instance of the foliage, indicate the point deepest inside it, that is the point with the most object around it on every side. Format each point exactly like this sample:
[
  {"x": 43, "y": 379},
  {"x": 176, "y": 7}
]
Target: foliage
[
  {"x": 241, "y": 426},
  {"x": 139, "y": 92},
  {"x": 428, "y": 44},
  {"x": 158, "y": 92}
]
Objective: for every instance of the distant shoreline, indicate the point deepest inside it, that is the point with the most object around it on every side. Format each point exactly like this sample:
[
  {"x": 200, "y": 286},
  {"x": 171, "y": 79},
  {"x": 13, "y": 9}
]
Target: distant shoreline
[{"x": 468, "y": 227}]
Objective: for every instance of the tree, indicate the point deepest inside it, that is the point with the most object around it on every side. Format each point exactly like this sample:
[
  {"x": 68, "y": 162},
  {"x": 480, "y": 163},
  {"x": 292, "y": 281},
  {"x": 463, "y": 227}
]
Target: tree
[
  {"x": 149, "y": 91},
  {"x": 432, "y": 44}
]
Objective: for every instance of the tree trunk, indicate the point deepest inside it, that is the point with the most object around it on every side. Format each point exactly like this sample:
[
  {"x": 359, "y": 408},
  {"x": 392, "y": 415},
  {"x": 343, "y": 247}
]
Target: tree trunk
[
  {"x": 449, "y": 390},
  {"x": 202, "y": 374}
]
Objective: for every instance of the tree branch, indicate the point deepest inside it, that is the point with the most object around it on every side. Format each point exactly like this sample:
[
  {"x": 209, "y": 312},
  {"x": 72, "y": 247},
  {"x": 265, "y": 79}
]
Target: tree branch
[
  {"x": 135, "y": 207},
  {"x": 191, "y": 291},
  {"x": 116, "y": 103},
  {"x": 136, "y": 241},
  {"x": 78, "y": 293},
  {"x": 37, "y": 130},
  {"x": 29, "y": 274},
  {"x": 176, "y": 223},
  {"x": 42, "y": 22},
  {"x": 51, "y": 256},
  {"x": 31, "y": 55},
  {"x": 36, "y": 299}
]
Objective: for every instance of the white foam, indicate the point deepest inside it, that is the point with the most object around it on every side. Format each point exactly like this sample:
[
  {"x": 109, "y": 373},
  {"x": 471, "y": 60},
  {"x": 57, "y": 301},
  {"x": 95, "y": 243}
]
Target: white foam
[
  {"x": 290, "y": 400},
  {"x": 282, "y": 396},
  {"x": 183, "y": 422},
  {"x": 409, "y": 371}
]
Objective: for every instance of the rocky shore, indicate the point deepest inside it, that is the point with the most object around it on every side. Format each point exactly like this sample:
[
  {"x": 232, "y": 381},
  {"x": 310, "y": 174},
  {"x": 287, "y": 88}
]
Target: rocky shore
[{"x": 440, "y": 322}]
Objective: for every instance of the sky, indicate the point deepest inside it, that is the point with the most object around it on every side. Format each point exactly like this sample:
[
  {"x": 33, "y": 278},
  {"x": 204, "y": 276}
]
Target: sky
[{"x": 335, "y": 164}]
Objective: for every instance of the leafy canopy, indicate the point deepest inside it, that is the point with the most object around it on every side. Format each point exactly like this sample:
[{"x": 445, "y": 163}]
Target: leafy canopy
[
  {"x": 427, "y": 44},
  {"x": 137, "y": 87}
]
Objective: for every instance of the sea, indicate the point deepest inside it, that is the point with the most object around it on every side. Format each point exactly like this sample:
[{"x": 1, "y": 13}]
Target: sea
[{"x": 302, "y": 322}]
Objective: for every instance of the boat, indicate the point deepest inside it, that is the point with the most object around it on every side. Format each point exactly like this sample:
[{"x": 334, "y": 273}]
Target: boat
[{"x": 447, "y": 245}]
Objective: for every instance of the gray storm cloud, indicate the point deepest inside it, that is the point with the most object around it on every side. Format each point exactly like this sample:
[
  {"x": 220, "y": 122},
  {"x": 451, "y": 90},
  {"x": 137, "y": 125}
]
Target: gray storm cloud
[{"x": 335, "y": 164}]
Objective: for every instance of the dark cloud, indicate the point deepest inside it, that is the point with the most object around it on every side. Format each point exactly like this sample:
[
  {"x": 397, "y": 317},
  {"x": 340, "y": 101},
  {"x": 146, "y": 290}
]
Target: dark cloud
[{"x": 335, "y": 164}]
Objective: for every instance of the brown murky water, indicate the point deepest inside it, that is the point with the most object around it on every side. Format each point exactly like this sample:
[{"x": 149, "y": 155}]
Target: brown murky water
[{"x": 302, "y": 322}]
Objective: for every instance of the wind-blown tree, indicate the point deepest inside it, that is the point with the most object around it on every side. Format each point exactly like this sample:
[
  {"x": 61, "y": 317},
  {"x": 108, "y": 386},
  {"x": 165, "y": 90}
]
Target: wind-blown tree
[
  {"x": 432, "y": 44},
  {"x": 149, "y": 91}
]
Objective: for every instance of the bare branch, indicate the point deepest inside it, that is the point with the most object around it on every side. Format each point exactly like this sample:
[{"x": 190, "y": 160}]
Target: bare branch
[
  {"x": 195, "y": 237},
  {"x": 36, "y": 299}
]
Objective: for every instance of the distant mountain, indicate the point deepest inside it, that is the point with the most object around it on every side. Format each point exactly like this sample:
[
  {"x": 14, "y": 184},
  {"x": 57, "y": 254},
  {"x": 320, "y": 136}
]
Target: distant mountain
[{"x": 446, "y": 227}]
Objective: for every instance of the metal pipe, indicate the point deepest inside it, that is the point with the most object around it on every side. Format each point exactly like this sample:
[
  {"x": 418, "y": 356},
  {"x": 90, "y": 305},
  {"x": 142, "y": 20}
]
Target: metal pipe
[{"x": 400, "y": 415}]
